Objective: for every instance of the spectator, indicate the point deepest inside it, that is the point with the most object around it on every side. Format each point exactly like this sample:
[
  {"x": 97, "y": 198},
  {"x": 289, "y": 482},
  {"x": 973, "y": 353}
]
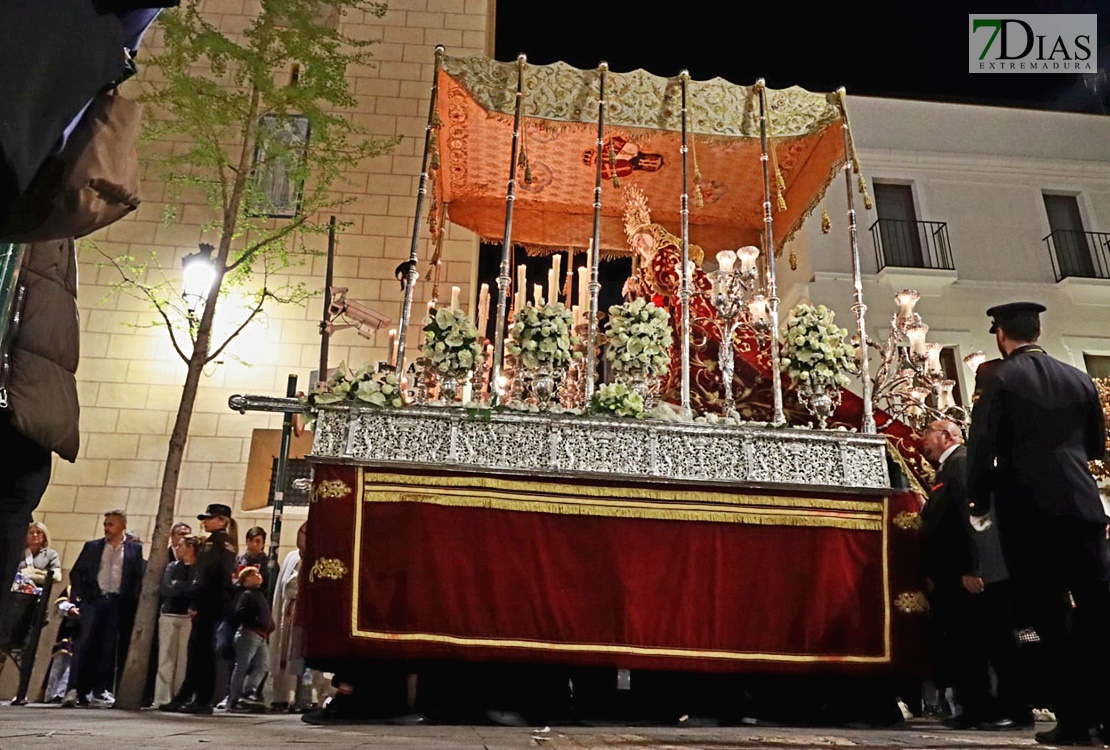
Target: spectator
[
  {"x": 211, "y": 595},
  {"x": 255, "y": 556},
  {"x": 62, "y": 654},
  {"x": 253, "y": 624},
  {"x": 106, "y": 579},
  {"x": 40, "y": 561},
  {"x": 174, "y": 623},
  {"x": 177, "y": 533}
]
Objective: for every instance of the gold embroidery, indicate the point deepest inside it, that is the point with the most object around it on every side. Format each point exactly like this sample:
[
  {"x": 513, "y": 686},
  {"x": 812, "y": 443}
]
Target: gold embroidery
[
  {"x": 332, "y": 489},
  {"x": 329, "y": 568},
  {"x": 911, "y": 603},
  {"x": 908, "y": 521}
]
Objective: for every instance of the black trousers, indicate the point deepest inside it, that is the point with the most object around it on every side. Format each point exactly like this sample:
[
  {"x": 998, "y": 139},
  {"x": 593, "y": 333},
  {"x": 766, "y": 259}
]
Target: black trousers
[
  {"x": 199, "y": 684},
  {"x": 24, "y": 475},
  {"x": 102, "y": 643},
  {"x": 1061, "y": 571}
]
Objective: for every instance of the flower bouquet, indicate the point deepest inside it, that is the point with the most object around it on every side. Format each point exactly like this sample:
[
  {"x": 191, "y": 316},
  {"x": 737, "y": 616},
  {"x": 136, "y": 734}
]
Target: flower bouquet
[
  {"x": 452, "y": 349},
  {"x": 818, "y": 357},
  {"x": 363, "y": 387},
  {"x": 640, "y": 341},
  {"x": 542, "y": 340},
  {"x": 618, "y": 400}
]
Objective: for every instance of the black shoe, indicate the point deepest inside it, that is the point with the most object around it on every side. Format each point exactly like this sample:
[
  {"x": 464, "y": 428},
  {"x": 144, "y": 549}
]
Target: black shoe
[
  {"x": 200, "y": 709},
  {"x": 172, "y": 707},
  {"x": 1067, "y": 736},
  {"x": 1007, "y": 724},
  {"x": 340, "y": 710}
]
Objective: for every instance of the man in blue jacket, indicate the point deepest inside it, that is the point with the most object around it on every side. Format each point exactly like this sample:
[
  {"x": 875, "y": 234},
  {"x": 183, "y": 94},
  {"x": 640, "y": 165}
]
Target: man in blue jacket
[{"x": 106, "y": 579}]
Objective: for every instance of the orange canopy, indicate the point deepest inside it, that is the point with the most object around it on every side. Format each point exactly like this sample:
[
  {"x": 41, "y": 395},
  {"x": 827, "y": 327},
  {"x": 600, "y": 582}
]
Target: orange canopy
[{"x": 553, "y": 207}]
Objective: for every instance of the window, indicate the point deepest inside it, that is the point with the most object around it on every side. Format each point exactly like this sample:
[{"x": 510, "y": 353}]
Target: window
[
  {"x": 1098, "y": 365},
  {"x": 899, "y": 239},
  {"x": 1067, "y": 238}
]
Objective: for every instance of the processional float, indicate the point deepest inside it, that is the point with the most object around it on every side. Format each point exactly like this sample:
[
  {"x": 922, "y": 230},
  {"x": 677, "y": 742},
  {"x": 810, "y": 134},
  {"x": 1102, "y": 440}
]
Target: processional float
[{"x": 567, "y": 162}]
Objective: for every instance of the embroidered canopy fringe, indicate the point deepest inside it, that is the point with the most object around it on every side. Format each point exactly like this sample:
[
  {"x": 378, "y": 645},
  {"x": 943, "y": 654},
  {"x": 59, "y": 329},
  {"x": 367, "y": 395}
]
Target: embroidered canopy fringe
[{"x": 553, "y": 205}]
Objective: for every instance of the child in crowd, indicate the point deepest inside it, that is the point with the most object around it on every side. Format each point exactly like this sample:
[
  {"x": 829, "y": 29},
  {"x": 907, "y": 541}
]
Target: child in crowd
[
  {"x": 253, "y": 624},
  {"x": 255, "y": 555}
]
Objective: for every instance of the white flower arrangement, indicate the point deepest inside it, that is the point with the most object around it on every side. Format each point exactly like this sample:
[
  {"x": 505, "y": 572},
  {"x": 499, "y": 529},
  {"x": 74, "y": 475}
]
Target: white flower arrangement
[
  {"x": 363, "y": 386},
  {"x": 543, "y": 336},
  {"x": 640, "y": 338},
  {"x": 451, "y": 344},
  {"x": 815, "y": 351},
  {"x": 618, "y": 400}
]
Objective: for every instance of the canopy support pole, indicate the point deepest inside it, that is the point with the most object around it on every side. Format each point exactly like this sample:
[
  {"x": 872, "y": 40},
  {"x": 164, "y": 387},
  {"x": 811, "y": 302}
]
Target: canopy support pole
[
  {"x": 503, "y": 278},
  {"x": 595, "y": 244},
  {"x": 413, "y": 274},
  {"x": 769, "y": 257},
  {"x": 684, "y": 293},
  {"x": 858, "y": 307}
]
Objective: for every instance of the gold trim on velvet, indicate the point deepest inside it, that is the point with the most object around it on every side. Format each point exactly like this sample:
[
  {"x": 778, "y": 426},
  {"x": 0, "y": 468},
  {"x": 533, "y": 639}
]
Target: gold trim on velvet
[
  {"x": 907, "y": 521},
  {"x": 332, "y": 489},
  {"x": 328, "y": 568},
  {"x": 655, "y": 494},
  {"x": 911, "y": 603},
  {"x": 536, "y": 645},
  {"x": 906, "y": 471},
  {"x": 624, "y": 509}
]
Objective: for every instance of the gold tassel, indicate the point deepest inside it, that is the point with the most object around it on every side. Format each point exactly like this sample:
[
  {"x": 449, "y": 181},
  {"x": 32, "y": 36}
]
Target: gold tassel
[
  {"x": 699, "y": 199},
  {"x": 781, "y": 202},
  {"x": 826, "y": 222},
  {"x": 793, "y": 260},
  {"x": 527, "y": 166},
  {"x": 779, "y": 179},
  {"x": 863, "y": 189},
  {"x": 613, "y": 165}
]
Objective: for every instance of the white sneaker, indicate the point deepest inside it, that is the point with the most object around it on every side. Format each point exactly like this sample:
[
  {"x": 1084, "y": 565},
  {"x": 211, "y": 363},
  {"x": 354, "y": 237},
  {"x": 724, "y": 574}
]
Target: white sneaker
[
  {"x": 103, "y": 699},
  {"x": 70, "y": 699}
]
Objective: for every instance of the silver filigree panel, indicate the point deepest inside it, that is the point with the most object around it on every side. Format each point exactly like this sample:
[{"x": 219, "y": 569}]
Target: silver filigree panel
[{"x": 539, "y": 445}]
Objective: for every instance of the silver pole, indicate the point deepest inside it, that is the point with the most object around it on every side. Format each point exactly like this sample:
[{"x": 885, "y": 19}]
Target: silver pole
[
  {"x": 860, "y": 309},
  {"x": 503, "y": 279},
  {"x": 595, "y": 246},
  {"x": 413, "y": 273},
  {"x": 769, "y": 256},
  {"x": 684, "y": 293}
]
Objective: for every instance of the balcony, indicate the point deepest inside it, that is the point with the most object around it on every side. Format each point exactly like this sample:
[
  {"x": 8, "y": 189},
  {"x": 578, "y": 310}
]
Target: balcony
[
  {"x": 1080, "y": 255},
  {"x": 912, "y": 244}
]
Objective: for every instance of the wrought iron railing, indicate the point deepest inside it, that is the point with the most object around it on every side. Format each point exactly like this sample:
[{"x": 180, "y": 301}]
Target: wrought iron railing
[
  {"x": 911, "y": 244},
  {"x": 1085, "y": 255}
]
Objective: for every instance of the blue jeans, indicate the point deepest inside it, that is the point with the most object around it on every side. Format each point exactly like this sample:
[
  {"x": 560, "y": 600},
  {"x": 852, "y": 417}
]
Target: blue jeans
[{"x": 252, "y": 654}]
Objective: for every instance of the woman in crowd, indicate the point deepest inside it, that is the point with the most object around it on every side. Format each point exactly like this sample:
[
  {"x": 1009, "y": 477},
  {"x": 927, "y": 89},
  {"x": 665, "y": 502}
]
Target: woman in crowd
[{"x": 174, "y": 623}]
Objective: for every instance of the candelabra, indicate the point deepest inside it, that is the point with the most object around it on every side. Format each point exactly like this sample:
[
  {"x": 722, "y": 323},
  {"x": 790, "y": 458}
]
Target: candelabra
[
  {"x": 736, "y": 299},
  {"x": 910, "y": 371}
]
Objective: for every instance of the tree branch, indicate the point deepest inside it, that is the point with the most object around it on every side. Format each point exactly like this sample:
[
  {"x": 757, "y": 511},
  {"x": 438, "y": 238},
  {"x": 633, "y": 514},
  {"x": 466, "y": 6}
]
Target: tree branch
[
  {"x": 262, "y": 297},
  {"x": 158, "y": 305}
]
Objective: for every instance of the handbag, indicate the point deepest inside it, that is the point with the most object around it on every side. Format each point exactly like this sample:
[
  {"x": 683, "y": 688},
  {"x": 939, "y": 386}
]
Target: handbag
[{"x": 91, "y": 183}]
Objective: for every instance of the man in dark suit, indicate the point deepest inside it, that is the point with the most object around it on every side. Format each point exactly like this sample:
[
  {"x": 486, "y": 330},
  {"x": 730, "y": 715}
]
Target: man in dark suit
[
  {"x": 1036, "y": 425},
  {"x": 106, "y": 579}
]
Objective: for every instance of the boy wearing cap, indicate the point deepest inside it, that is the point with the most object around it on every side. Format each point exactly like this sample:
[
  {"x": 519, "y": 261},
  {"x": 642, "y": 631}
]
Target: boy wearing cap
[
  {"x": 212, "y": 592},
  {"x": 253, "y": 623},
  {"x": 1036, "y": 425}
]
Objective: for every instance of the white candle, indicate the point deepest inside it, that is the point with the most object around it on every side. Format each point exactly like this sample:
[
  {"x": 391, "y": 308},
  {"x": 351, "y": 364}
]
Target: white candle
[
  {"x": 483, "y": 309},
  {"x": 454, "y": 298},
  {"x": 537, "y": 295},
  {"x": 583, "y": 290},
  {"x": 725, "y": 261},
  {"x": 556, "y": 268},
  {"x": 431, "y": 307},
  {"x": 521, "y": 287},
  {"x": 552, "y": 285},
  {"x": 575, "y": 314},
  {"x": 392, "y": 344},
  {"x": 467, "y": 392}
]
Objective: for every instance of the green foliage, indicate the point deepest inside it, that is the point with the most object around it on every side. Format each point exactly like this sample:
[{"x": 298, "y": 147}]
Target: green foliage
[{"x": 216, "y": 104}]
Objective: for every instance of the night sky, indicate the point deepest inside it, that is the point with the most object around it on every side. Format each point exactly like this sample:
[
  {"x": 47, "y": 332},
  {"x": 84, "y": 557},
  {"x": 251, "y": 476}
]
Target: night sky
[{"x": 918, "y": 51}]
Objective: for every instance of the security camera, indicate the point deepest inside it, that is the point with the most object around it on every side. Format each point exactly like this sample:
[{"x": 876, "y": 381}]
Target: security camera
[{"x": 365, "y": 320}]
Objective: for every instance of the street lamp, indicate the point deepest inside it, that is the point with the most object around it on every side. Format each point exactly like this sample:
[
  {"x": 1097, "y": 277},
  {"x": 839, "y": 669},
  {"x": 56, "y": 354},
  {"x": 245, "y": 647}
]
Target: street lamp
[{"x": 198, "y": 276}]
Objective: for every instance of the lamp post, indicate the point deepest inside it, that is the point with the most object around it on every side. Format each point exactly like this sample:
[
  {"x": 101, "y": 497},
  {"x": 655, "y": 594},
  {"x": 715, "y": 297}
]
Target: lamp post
[{"x": 198, "y": 276}]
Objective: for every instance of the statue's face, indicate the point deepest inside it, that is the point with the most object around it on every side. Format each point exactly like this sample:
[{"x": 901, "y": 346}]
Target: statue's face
[{"x": 643, "y": 243}]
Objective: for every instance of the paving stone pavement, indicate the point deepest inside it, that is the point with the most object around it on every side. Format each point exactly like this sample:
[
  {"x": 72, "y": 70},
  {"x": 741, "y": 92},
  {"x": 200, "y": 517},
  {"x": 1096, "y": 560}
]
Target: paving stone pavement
[{"x": 51, "y": 728}]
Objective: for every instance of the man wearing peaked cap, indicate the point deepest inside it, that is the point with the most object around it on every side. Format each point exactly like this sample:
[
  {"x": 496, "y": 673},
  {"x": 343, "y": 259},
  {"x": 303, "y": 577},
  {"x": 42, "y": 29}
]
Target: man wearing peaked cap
[
  {"x": 1037, "y": 423},
  {"x": 1012, "y": 312},
  {"x": 212, "y": 595}
]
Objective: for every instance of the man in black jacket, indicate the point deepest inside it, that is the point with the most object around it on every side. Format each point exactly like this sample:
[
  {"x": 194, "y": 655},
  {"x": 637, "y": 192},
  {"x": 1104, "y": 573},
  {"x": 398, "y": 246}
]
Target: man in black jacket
[
  {"x": 212, "y": 590},
  {"x": 106, "y": 579},
  {"x": 1036, "y": 425}
]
